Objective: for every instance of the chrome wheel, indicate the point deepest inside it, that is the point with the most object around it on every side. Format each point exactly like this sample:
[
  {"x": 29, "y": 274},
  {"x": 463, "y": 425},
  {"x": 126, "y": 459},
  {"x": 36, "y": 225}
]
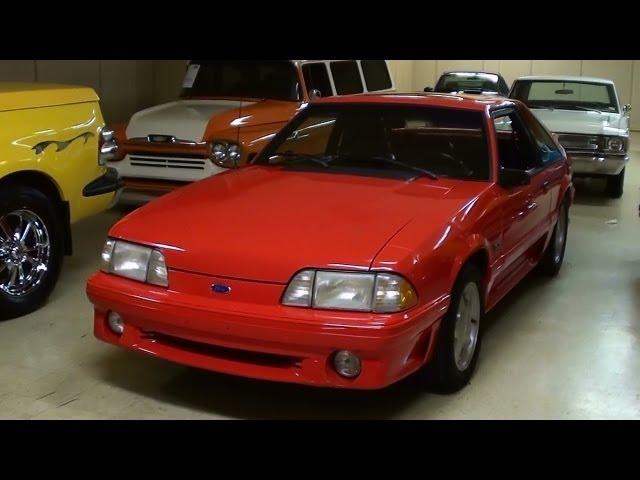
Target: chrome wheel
[
  {"x": 561, "y": 235},
  {"x": 467, "y": 326},
  {"x": 24, "y": 252}
]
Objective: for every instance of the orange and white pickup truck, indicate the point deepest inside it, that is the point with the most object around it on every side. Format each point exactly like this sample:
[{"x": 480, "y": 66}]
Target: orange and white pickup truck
[{"x": 226, "y": 113}]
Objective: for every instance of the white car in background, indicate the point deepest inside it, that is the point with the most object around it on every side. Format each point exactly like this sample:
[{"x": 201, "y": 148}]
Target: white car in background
[{"x": 591, "y": 124}]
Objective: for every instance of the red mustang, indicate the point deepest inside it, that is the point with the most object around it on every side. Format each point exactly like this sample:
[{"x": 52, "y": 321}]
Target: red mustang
[{"x": 366, "y": 240}]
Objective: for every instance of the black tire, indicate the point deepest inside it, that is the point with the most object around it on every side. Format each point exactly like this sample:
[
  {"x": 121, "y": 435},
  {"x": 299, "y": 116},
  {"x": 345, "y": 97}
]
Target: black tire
[
  {"x": 554, "y": 254},
  {"x": 615, "y": 185},
  {"x": 18, "y": 198},
  {"x": 442, "y": 373}
]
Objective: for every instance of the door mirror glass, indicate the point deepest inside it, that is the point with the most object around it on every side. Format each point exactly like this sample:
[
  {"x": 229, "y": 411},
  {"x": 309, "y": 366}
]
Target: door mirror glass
[
  {"x": 626, "y": 109},
  {"x": 511, "y": 177}
]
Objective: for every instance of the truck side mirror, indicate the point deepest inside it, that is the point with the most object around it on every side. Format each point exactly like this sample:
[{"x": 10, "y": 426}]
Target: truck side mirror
[{"x": 314, "y": 94}]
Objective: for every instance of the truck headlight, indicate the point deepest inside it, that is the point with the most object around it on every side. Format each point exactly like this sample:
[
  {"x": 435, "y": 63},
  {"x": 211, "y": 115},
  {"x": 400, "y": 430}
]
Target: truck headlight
[
  {"x": 225, "y": 154},
  {"x": 615, "y": 144},
  {"x": 133, "y": 261},
  {"x": 107, "y": 145},
  {"x": 356, "y": 291}
]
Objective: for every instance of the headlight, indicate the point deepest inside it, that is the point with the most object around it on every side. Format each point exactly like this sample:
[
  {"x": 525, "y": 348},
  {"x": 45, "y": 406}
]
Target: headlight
[
  {"x": 219, "y": 152},
  {"x": 615, "y": 144},
  {"x": 225, "y": 154},
  {"x": 343, "y": 291},
  {"x": 366, "y": 292},
  {"x": 135, "y": 262}
]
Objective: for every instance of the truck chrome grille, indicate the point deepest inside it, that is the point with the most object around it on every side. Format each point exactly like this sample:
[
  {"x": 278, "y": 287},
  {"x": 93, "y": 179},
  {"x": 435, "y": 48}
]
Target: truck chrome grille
[
  {"x": 167, "y": 162},
  {"x": 580, "y": 142}
]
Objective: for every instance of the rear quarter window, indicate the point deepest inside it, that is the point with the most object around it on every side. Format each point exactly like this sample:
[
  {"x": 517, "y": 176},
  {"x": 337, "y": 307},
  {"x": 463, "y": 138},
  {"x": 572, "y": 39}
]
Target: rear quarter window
[
  {"x": 346, "y": 77},
  {"x": 376, "y": 75}
]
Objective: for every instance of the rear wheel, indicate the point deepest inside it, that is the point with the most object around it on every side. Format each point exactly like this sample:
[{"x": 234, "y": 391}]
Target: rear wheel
[
  {"x": 459, "y": 336},
  {"x": 31, "y": 250},
  {"x": 615, "y": 185}
]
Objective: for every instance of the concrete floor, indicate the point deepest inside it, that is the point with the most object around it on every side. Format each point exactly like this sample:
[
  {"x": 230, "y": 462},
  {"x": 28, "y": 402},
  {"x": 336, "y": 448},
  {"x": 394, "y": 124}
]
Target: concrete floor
[{"x": 562, "y": 348}]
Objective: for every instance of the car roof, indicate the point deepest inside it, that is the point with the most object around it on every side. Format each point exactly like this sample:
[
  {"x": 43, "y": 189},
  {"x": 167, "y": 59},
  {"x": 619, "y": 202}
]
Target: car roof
[
  {"x": 567, "y": 78},
  {"x": 460, "y": 101}
]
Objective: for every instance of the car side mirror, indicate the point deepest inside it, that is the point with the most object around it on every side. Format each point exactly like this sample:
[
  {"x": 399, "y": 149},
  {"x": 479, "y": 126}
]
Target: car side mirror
[
  {"x": 511, "y": 177},
  {"x": 428, "y": 89},
  {"x": 314, "y": 94},
  {"x": 626, "y": 109}
]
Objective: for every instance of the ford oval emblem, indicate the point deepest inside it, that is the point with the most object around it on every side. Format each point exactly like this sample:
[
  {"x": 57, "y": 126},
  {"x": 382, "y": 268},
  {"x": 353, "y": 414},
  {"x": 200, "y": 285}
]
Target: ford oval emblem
[{"x": 219, "y": 288}]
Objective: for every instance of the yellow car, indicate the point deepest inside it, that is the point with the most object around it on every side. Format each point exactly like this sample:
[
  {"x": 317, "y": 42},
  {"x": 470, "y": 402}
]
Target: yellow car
[{"x": 53, "y": 151}]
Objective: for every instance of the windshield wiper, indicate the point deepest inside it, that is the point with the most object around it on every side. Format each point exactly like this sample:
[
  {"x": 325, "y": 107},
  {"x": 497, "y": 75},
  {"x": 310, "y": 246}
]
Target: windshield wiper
[
  {"x": 397, "y": 163},
  {"x": 585, "y": 109},
  {"x": 292, "y": 156}
]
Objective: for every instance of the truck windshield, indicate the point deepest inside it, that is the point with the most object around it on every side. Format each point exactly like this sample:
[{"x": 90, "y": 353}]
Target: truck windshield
[
  {"x": 469, "y": 82},
  {"x": 276, "y": 80},
  {"x": 565, "y": 95}
]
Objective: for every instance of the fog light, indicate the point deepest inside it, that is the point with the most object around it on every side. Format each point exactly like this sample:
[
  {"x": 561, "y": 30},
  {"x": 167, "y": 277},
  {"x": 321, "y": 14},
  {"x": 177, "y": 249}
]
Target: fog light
[
  {"x": 116, "y": 324},
  {"x": 347, "y": 364}
]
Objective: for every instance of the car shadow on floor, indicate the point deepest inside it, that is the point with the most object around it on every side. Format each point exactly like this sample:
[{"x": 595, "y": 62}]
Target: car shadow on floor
[
  {"x": 228, "y": 396},
  {"x": 591, "y": 192}
]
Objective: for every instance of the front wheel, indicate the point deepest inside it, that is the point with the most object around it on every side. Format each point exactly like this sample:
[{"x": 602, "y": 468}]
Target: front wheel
[
  {"x": 459, "y": 336},
  {"x": 554, "y": 255},
  {"x": 31, "y": 250}
]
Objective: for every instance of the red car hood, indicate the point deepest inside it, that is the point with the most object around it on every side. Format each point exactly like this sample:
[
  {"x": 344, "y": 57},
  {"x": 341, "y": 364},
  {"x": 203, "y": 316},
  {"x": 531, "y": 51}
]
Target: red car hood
[{"x": 262, "y": 223}]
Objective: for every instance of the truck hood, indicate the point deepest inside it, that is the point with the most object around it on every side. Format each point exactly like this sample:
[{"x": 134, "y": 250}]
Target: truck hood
[
  {"x": 589, "y": 123},
  {"x": 18, "y": 96},
  {"x": 183, "y": 119},
  {"x": 265, "y": 224}
]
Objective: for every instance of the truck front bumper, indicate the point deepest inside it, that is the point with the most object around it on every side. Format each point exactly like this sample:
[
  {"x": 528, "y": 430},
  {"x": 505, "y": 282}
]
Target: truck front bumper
[
  {"x": 108, "y": 183},
  {"x": 597, "y": 163}
]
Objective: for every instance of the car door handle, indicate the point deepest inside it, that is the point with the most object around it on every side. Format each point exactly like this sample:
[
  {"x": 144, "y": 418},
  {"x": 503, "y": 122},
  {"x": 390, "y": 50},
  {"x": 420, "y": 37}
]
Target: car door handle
[
  {"x": 546, "y": 185},
  {"x": 530, "y": 206}
]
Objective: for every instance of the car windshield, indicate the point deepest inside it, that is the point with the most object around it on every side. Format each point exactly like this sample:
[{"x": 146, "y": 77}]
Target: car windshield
[
  {"x": 383, "y": 140},
  {"x": 244, "y": 79},
  {"x": 468, "y": 82},
  {"x": 565, "y": 95}
]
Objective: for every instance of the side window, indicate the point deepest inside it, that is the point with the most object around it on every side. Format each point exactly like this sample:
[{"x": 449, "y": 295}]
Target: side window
[
  {"x": 316, "y": 77},
  {"x": 545, "y": 146},
  {"x": 376, "y": 75},
  {"x": 514, "y": 146},
  {"x": 346, "y": 77}
]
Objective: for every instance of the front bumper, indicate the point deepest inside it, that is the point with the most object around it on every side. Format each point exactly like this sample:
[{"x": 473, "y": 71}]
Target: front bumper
[
  {"x": 108, "y": 183},
  {"x": 269, "y": 342},
  {"x": 597, "y": 163}
]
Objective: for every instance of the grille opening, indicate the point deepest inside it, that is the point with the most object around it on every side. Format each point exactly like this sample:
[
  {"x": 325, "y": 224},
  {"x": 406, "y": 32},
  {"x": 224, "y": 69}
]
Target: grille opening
[
  {"x": 160, "y": 162},
  {"x": 232, "y": 354}
]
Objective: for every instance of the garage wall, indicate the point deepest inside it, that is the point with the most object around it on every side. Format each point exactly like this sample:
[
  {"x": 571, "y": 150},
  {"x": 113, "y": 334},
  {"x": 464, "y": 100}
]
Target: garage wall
[
  {"x": 126, "y": 86},
  {"x": 625, "y": 73}
]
